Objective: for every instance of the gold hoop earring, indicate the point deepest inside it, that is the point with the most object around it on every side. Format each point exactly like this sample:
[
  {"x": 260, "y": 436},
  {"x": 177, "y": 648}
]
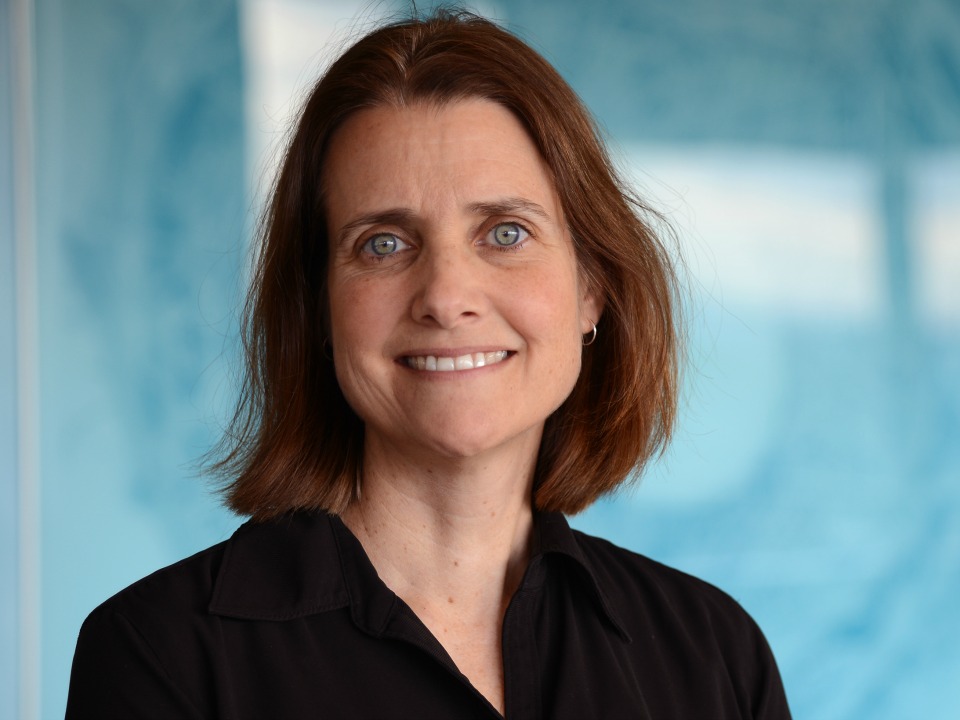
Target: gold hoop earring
[{"x": 591, "y": 336}]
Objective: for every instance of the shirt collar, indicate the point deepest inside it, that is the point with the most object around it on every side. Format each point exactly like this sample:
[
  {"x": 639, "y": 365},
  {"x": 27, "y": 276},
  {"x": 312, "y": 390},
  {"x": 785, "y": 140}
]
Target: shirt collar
[
  {"x": 555, "y": 537},
  {"x": 279, "y": 570},
  {"x": 308, "y": 563}
]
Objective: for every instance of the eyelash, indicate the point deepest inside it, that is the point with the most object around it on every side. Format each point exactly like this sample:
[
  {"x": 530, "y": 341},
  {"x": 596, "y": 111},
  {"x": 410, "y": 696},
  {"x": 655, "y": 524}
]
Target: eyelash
[{"x": 366, "y": 246}]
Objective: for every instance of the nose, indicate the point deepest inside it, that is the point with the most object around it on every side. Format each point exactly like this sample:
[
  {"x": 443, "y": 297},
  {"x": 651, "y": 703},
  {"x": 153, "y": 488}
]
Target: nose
[{"x": 450, "y": 288}]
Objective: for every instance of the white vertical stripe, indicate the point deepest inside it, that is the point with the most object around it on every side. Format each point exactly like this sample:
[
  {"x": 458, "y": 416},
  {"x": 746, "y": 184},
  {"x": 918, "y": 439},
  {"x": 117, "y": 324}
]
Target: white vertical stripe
[{"x": 28, "y": 389}]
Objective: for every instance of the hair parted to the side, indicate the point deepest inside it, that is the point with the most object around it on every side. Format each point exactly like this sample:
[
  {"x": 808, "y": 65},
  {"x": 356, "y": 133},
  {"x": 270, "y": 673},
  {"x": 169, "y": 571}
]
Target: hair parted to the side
[{"x": 294, "y": 442}]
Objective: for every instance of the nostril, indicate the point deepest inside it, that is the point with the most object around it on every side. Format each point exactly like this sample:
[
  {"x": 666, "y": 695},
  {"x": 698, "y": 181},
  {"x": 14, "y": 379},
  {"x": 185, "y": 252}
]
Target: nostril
[{"x": 448, "y": 295}]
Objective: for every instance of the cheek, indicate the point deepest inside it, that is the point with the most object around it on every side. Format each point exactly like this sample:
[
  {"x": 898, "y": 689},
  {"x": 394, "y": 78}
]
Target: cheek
[
  {"x": 356, "y": 314},
  {"x": 555, "y": 318},
  {"x": 562, "y": 304},
  {"x": 354, "y": 332},
  {"x": 359, "y": 326}
]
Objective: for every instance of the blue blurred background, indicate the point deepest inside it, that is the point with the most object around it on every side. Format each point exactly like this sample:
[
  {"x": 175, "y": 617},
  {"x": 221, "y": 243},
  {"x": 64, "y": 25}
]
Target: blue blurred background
[{"x": 807, "y": 153}]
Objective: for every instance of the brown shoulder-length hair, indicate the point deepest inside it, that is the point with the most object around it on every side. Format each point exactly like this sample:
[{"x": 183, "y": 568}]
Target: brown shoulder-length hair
[{"x": 294, "y": 442}]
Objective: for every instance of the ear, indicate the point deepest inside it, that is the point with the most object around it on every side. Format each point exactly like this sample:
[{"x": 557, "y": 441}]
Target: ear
[{"x": 591, "y": 308}]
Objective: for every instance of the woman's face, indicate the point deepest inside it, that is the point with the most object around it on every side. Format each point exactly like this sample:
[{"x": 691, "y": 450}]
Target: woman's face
[{"x": 456, "y": 306}]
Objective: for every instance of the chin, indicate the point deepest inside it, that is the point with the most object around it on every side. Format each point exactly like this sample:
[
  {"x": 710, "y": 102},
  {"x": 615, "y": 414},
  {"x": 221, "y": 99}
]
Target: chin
[{"x": 472, "y": 445}]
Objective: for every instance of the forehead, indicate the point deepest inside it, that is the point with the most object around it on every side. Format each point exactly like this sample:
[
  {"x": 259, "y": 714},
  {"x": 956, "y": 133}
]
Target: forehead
[{"x": 416, "y": 156}]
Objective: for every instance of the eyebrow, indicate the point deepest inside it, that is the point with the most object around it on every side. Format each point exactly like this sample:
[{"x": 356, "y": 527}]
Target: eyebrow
[
  {"x": 393, "y": 216},
  {"x": 403, "y": 216},
  {"x": 508, "y": 205}
]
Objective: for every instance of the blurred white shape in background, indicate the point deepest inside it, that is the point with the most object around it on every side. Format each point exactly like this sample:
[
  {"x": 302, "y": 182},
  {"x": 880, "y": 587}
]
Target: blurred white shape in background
[
  {"x": 796, "y": 234},
  {"x": 286, "y": 44},
  {"x": 766, "y": 237},
  {"x": 936, "y": 203}
]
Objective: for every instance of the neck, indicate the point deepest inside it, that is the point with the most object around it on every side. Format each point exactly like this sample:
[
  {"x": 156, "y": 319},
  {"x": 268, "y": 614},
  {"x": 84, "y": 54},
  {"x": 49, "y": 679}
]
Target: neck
[
  {"x": 445, "y": 528},
  {"x": 451, "y": 537}
]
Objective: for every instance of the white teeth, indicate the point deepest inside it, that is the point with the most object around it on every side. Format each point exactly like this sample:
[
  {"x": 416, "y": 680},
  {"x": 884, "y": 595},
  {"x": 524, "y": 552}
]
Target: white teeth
[{"x": 432, "y": 363}]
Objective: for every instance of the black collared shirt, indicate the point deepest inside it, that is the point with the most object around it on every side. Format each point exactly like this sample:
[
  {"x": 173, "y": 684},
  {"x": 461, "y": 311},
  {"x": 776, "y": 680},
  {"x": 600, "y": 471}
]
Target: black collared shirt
[{"x": 288, "y": 619}]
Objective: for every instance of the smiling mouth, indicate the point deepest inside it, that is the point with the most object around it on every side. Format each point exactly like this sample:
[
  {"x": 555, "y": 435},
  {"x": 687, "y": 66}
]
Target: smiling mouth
[{"x": 432, "y": 363}]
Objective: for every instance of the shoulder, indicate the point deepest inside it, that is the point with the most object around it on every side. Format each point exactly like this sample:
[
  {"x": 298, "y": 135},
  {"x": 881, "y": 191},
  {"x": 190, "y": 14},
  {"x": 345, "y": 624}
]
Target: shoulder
[
  {"x": 688, "y": 626},
  {"x": 148, "y": 646},
  {"x": 653, "y": 598},
  {"x": 161, "y": 615},
  {"x": 265, "y": 570},
  {"x": 183, "y": 588},
  {"x": 617, "y": 564}
]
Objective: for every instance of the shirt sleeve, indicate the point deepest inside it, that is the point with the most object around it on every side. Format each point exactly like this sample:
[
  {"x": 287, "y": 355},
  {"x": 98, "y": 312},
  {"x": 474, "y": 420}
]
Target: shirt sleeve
[
  {"x": 770, "y": 699},
  {"x": 757, "y": 669},
  {"x": 116, "y": 674}
]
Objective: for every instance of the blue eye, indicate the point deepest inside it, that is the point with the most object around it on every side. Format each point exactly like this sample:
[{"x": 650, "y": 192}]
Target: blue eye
[
  {"x": 508, "y": 234},
  {"x": 383, "y": 245}
]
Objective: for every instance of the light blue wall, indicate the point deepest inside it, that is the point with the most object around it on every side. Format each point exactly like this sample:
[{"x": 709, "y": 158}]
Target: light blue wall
[
  {"x": 816, "y": 475},
  {"x": 142, "y": 217},
  {"x": 8, "y": 394}
]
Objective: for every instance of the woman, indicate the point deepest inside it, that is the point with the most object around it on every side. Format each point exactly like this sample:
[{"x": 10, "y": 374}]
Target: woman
[{"x": 460, "y": 329}]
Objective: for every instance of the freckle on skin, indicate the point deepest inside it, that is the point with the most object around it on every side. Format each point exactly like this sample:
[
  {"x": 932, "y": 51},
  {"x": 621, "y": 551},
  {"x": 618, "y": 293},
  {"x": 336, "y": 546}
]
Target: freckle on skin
[
  {"x": 450, "y": 600},
  {"x": 456, "y": 563}
]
